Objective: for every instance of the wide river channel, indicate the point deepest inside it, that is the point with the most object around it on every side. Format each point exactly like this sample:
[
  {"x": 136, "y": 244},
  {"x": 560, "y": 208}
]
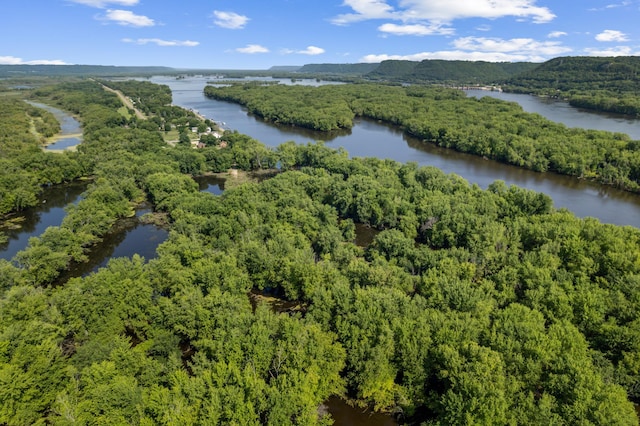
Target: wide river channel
[
  {"x": 367, "y": 138},
  {"x": 372, "y": 139}
]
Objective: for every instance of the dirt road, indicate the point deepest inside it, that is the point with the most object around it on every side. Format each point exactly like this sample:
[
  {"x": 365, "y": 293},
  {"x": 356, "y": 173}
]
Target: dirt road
[{"x": 126, "y": 101}]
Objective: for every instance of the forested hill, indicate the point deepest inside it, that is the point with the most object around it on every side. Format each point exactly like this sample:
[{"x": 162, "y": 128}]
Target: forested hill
[
  {"x": 466, "y": 72},
  {"x": 361, "y": 68},
  {"x": 458, "y": 72},
  {"x": 610, "y": 84},
  {"x": 79, "y": 70},
  {"x": 582, "y": 73}
]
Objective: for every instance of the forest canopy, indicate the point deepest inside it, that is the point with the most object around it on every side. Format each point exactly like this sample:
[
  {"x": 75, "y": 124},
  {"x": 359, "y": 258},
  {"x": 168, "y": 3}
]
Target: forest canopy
[
  {"x": 469, "y": 306},
  {"x": 487, "y": 127}
]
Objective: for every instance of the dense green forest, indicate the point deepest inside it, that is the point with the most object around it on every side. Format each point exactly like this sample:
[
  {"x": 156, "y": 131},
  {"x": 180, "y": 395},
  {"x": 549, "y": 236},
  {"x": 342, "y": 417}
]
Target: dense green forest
[
  {"x": 600, "y": 83},
  {"x": 24, "y": 166},
  {"x": 470, "y": 306},
  {"x": 488, "y": 127},
  {"x": 609, "y": 84},
  {"x": 449, "y": 72}
]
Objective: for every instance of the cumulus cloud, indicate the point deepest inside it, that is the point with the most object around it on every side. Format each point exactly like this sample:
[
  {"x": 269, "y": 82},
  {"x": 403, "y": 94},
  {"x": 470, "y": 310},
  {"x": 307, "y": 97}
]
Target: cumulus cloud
[
  {"x": 160, "y": 42},
  {"x": 365, "y": 10},
  {"x": 613, "y": 51},
  {"x": 12, "y": 60},
  {"x": 252, "y": 48},
  {"x": 415, "y": 29},
  {"x": 230, "y": 20},
  {"x": 611, "y": 35},
  {"x": 104, "y": 3},
  {"x": 455, "y": 55},
  {"x": 128, "y": 18},
  {"x": 486, "y": 49},
  {"x": 556, "y": 34},
  {"x": 442, "y": 10},
  {"x": 310, "y": 50},
  {"x": 514, "y": 45}
]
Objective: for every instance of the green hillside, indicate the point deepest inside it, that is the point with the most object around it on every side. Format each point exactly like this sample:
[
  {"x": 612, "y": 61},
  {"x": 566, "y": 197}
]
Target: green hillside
[
  {"x": 79, "y": 70},
  {"x": 361, "y": 68},
  {"x": 610, "y": 84},
  {"x": 583, "y": 73},
  {"x": 455, "y": 72}
]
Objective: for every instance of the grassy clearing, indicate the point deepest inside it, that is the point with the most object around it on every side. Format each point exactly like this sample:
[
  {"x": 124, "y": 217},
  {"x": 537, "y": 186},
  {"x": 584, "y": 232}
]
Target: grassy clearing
[{"x": 124, "y": 111}]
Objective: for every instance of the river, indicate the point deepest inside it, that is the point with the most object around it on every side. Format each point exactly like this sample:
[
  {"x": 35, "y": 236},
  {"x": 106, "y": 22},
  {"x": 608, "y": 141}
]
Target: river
[
  {"x": 373, "y": 139},
  {"x": 562, "y": 112},
  {"x": 70, "y": 129},
  {"x": 32, "y": 222}
]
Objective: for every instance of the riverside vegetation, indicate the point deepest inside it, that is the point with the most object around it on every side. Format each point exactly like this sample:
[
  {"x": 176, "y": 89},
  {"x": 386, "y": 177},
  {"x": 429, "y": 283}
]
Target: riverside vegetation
[
  {"x": 446, "y": 117},
  {"x": 609, "y": 84},
  {"x": 470, "y": 306}
]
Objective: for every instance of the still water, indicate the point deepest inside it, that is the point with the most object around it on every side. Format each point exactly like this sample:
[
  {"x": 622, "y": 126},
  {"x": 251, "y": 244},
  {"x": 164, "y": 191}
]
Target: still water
[
  {"x": 562, "y": 112},
  {"x": 50, "y": 211},
  {"x": 129, "y": 236},
  {"x": 211, "y": 184},
  {"x": 70, "y": 129},
  {"x": 373, "y": 139}
]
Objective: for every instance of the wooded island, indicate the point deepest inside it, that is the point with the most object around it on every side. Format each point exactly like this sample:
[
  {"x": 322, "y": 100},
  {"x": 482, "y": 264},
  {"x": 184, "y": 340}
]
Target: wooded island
[{"x": 470, "y": 306}]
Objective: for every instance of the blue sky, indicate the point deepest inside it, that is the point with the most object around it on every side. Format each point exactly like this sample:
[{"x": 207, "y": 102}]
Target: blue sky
[{"x": 258, "y": 34}]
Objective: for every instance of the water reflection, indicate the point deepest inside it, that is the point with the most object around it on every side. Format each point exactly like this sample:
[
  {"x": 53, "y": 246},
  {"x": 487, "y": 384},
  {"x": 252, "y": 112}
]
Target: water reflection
[
  {"x": 562, "y": 112},
  {"x": 70, "y": 129},
  {"x": 372, "y": 139},
  {"x": 365, "y": 235},
  {"x": 128, "y": 236},
  {"x": 50, "y": 211},
  {"x": 211, "y": 184},
  {"x": 344, "y": 414}
]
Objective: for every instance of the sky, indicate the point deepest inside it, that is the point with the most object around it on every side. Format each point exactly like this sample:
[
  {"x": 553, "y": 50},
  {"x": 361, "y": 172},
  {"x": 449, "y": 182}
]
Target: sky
[{"x": 259, "y": 34}]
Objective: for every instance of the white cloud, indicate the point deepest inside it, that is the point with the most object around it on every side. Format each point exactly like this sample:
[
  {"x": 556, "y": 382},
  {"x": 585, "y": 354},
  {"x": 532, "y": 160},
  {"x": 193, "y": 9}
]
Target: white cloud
[
  {"x": 514, "y": 45},
  {"x": 556, "y": 34},
  {"x": 613, "y": 51},
  {"x": 365, "y": 10},
  {"x": 415, "y": 29},
  {"x": 12, "y": 60},
  {"x": 103, "y": 3},
  {"x": 440, "y": 11},
  {"x": 160, "y": 42},
  {"x": 611, "y": 6},
  {"x": 128, "y": 18},
  {"x": 611, "y": 35},
  {"x": 483, "y": 27},
  {"x": 310, "y": 50},
  {"x": 486, "y": 49},
  {"x": 456, "y": 55},
  {"x": 252, "y": 48},
  {"x": 229, "y": 20}
]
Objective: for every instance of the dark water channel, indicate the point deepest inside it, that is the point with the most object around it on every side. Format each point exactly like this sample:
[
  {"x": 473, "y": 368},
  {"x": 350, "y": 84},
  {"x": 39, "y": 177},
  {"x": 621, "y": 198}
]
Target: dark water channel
[
  {"x": 344, "y": 414},
  {"x": 129, "y": 236},
  {"x": 70, "y": 129},
  {"x": 32, "y": 222},
  {"x": 373, "y": 139},
  {"x": 211, "y": 184}
]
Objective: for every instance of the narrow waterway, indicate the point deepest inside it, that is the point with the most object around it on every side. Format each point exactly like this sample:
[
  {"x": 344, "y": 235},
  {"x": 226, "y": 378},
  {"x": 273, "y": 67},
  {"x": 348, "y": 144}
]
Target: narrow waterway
[
  {"x": 70, "y": 129},
  {"x": 32, "y": 222},
  {"x": 129, "y": 236},
  {"x": 373, "y": 139}
]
